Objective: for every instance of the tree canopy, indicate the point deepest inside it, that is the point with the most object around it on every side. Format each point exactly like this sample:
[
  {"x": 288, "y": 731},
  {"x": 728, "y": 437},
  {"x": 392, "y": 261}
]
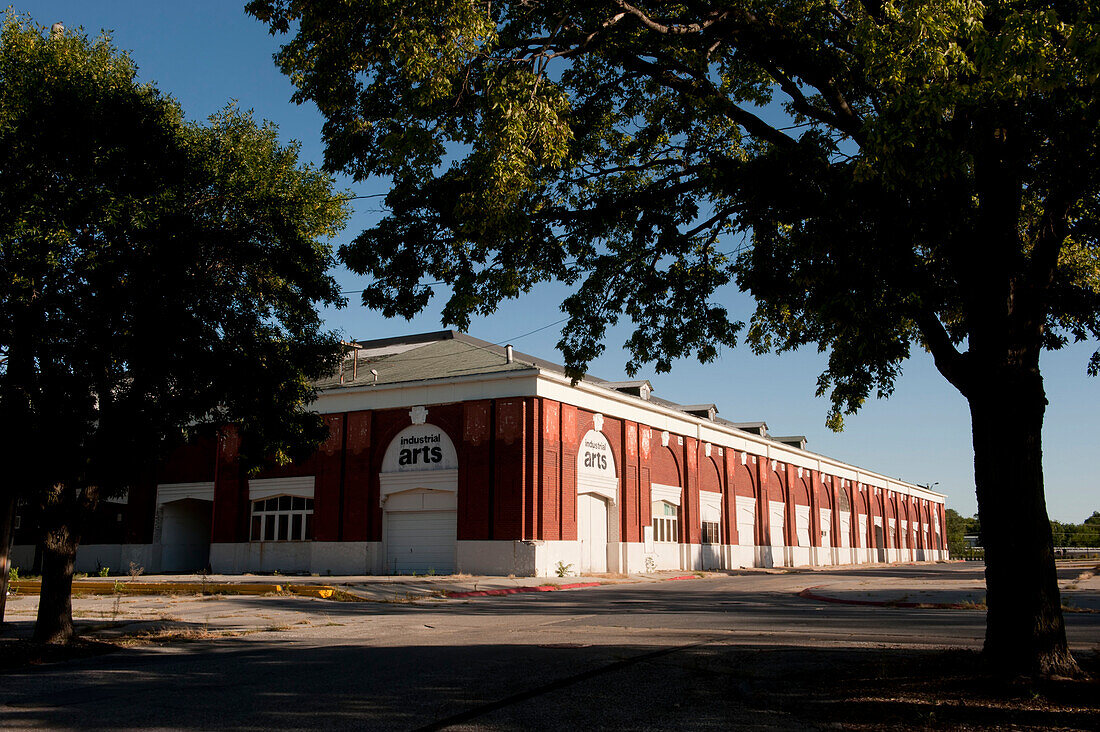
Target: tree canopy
[
  {"x": 881, "y": 175},
  {"x": 628, "y": 148},
  {"x": 156, "y": 275}
]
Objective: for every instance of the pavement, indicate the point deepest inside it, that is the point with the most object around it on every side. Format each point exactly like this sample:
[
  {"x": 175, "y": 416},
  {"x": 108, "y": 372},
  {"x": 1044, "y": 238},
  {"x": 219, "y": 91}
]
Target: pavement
[
  {"x": 739, "y": 650},
  {"x": 157, "y": 603}
]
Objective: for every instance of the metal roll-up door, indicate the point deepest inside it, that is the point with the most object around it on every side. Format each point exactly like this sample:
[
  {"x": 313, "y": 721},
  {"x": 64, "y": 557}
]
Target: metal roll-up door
[{"x": 421, "y": 542}]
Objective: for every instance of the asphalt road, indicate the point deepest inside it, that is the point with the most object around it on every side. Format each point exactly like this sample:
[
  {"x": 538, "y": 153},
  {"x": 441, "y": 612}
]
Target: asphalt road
[{"x": 654, "y": 656}]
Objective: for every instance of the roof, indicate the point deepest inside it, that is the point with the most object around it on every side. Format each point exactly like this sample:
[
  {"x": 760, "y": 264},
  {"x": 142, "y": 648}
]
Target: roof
[
  {"x": 449, "y": 353},
  {"x": 417, "y": 358}
]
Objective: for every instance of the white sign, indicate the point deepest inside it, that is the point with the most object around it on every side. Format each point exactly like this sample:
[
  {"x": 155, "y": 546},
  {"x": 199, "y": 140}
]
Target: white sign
[
  {"x": 595, "y": 456},
  {"x": 420, "y": 447},
  {"x": 596, "y": 467}
]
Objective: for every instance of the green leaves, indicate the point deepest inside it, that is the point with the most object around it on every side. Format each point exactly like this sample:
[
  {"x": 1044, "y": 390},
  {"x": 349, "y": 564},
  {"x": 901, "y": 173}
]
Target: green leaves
[
  {"x": 907, "y": 173},
  {"x": 157, "y": 276}
]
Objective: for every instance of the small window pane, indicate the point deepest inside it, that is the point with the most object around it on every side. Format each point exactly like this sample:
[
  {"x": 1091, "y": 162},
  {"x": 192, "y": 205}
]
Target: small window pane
[
  {"x": 296, "y": 527},
  {"x": 309, "y": 504},
  {"x": 309, "y": 527},
  {"x": 299, "y": 503},
  {"x": 272, "y": 504},
  {"x": 284, "y": 503},
  {"x": 257, "y": 506},
  {"x": 256, "y": 523},
  {"x": 269, "y": 528},
  {"x": 284, "y": 526}
]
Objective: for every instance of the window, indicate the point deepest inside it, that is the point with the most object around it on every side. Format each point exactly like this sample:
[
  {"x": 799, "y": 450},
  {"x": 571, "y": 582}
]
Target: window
[
  {"x": 282, "y": 518},
  {"x": 710, "y": 532},
  {"x": 666, "y": 522}
]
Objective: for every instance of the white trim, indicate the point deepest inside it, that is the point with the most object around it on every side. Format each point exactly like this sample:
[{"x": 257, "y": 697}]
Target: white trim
[
  {"x": 601, "y": 485},
  {"x": 710, "y": 506},
  {"x": 667, "y": 493},
  {"x": 168, "y": 492},
  {"x": 610, "y": 402},
  {"x": 606, "y": 401},
  {"x": 436, "y": 480},
  {"x": 267, "y": 487}
]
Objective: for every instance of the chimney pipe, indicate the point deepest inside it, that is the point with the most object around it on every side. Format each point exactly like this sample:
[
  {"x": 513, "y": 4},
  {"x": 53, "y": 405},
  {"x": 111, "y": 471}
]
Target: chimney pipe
[{"x": 508, "y": 354}]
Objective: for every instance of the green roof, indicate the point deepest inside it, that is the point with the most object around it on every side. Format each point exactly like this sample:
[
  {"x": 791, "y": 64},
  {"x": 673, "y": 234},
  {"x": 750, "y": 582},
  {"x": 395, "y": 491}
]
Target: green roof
[{"x": 434, "y": 360}]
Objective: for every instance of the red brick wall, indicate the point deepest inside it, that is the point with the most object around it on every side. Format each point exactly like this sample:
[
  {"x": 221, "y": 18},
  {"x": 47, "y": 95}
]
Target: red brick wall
[{"x": 358, "y": 466}]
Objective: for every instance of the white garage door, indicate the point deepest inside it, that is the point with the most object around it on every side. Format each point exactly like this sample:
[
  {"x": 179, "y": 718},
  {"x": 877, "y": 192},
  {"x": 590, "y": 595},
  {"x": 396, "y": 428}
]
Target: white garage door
[{"x": 420, "y": 542}]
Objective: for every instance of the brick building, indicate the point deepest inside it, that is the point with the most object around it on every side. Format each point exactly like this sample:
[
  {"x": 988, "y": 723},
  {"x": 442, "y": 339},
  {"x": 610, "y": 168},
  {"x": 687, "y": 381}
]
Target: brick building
[{"x": 447, "y": 453}]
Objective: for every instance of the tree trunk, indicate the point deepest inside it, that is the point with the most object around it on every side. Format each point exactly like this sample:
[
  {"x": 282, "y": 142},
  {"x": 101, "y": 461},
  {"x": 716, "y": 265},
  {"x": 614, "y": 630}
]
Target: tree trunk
[
  {"x": 55, "y": 604},
  {"x": 1025, "y": 632},
  {"x": 7, "y": 528}
]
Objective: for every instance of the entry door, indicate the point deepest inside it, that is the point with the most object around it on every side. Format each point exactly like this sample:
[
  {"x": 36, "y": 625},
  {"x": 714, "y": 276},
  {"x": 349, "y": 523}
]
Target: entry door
[
  {"x": 880, "y": 543},
  {"x": 592, "y": 532},
  {"x": 777, "y": 523},
  {"x": 845, "y": 529},
  {"x": 746, "y": 521},
  {"x": 185, "y": 535}
]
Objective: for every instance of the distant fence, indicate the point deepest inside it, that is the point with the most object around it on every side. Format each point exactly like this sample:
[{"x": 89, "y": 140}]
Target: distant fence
[
  {"x": 1077, "y": 552},
  {"x": 977, "y": 553}
]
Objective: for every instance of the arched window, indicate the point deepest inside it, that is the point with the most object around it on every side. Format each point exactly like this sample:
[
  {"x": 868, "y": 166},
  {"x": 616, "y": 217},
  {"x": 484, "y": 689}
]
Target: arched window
[{"x": 282, "y": 518}]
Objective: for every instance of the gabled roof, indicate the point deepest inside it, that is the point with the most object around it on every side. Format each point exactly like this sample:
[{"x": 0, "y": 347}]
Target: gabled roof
[{"x": 418, "y": 358}]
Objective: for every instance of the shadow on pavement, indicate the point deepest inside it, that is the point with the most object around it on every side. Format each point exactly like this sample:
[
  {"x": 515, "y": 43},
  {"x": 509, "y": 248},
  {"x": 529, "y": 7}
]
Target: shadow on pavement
[{"x": 708, "y": 686}]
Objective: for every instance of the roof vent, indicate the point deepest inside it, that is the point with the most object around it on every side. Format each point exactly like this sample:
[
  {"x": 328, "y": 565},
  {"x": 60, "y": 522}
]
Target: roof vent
[
  {"x": 705, "y": 411},
  {"x": 757, "y": 428},
  {"x": 508, "y": 354},
  {"x": 798, "y": 441},
  {"x": 641, "y": 389}
]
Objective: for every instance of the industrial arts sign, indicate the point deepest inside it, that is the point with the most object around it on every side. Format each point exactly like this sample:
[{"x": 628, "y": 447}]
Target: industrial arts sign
[
  {"x": 595, "y": 456},
  {"x": 420, "y": 447}
]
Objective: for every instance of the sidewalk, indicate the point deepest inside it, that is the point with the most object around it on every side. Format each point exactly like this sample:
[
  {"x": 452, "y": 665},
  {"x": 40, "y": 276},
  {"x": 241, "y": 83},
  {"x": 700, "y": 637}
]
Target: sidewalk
[
  {"x": 372, "y": 588},
  {"x": 1079, "y": 594}
]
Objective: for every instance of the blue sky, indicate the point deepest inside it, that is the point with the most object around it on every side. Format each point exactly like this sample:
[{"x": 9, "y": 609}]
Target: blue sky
[{"x": 207, "y": 53}]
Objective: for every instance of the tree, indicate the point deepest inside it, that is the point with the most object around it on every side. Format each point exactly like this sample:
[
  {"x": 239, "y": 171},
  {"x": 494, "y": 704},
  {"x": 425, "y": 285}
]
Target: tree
[
  {"x": 956, "y": 532},
  {"x": 158, "y": 277},
  {"x": 900, "y": 174}
]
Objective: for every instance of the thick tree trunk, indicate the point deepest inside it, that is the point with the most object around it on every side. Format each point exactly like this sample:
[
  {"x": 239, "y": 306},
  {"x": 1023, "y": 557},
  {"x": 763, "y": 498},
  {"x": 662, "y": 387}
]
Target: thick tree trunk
[
  {"x": 1025, "y": 633},
  {"x": 55, "y": 605},
  {"x": 7, "y": 528}
]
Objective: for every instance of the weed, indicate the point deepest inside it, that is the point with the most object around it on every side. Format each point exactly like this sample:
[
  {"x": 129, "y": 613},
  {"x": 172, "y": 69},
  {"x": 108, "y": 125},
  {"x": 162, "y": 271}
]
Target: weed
[
  {"x": 13, "y": 574},
  {"x": 562, "y": 569},
  {"x": 135, "y": 571}
]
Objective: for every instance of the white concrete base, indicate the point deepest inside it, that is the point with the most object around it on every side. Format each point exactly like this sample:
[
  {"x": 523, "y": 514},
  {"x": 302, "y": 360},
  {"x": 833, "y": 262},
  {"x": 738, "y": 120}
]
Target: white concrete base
[
  {"x": 519, "y": 558},
  {"x": 91, "y": 557},
  {"x": 691, "y": 556},
  {"x": 800, "y": 556},
  {"x": 736, "y": 556},
  {"x": 666, "y": 556},
  {"x": 22, "y": 558},
  {"x": 314, "y": 557}
]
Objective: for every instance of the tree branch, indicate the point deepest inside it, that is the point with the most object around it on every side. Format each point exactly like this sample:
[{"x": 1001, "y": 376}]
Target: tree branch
[{"x": 949, "y": 361}]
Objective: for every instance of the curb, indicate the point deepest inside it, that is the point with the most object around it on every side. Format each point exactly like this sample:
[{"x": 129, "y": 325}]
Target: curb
[
  {"x": 518, "y": 590},
  {"x": 549, "y": 588},
  {"x": 196, "y": 588},
  {"x": 809, "y": 594}
]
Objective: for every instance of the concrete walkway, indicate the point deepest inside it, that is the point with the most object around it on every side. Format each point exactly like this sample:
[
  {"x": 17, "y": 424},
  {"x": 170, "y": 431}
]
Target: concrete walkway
[{"x": 1079, "y": 585}]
